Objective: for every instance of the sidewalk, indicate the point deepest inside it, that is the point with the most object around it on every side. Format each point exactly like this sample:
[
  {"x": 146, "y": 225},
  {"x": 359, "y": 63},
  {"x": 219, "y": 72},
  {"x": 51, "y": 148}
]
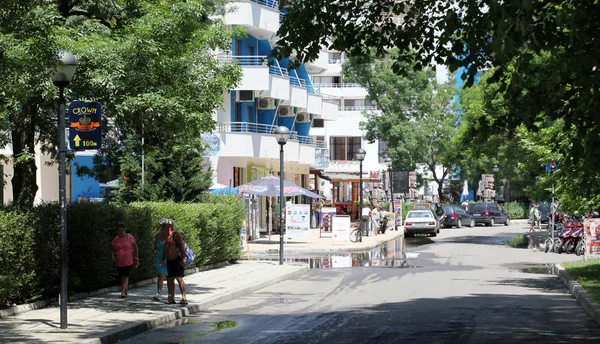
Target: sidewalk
[
  {"x": 107, "y": 318},
  {"x": 324, "y": 243}
]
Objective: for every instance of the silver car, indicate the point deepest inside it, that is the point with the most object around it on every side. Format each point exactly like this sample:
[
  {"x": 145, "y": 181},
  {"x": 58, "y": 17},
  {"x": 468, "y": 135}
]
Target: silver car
[{"x": 420, "y": 222}]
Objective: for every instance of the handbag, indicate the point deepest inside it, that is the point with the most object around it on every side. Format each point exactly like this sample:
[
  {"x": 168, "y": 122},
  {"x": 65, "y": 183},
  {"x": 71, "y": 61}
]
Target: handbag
[{"x": 189, "y": 254}]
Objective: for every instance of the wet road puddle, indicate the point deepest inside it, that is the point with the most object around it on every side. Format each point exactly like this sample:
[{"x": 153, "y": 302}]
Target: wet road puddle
[
  {"x": 545, "y": 269},
  {"x": 391, "y": 254}
]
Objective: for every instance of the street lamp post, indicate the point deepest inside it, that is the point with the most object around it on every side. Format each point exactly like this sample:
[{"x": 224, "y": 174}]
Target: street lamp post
[
  {"x": 282, "y": 134},
  {"x": 360, "y": 156},
  {"x": 62, "y": 73},
  {"x": 495, "y": 169},
  {"x": 388, "y": 162}
]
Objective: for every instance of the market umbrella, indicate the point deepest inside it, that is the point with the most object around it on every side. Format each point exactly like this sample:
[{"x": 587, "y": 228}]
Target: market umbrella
[
  {"x": 269, "y": 186},
  {"x": 217, "y": 186}
]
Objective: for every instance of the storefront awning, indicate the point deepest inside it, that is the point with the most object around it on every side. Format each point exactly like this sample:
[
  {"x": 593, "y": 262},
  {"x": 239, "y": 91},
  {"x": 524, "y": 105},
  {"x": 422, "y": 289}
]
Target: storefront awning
[{"x": 346, "y": 178}]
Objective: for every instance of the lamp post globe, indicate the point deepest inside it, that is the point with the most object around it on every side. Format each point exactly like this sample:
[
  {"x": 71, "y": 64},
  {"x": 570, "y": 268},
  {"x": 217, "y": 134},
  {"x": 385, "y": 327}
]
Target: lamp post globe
[
  {"x": 63, "y": 68},
  {"x": 388, "y": 162},
  {"x": 496, "y": 168},
  {"x": 360, "y": 154},
  {"x": 61, "y": 72},
  {"x": 282, "y": 134}
]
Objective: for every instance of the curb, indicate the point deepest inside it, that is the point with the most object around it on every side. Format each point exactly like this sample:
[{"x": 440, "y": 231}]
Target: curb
[
  {"x": 5, "y": 313},
  {"x": 582, "y": 297},
  {"x": 140, "y": 327},
  {"x": 333, "y": 248}
]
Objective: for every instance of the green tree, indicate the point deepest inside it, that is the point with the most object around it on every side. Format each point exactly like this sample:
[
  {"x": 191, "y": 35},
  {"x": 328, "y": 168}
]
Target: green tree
[
  {"x": 151, "y": 64},
  {"x": 504, "y": 35},
  {"x": 416, "y": 119}
]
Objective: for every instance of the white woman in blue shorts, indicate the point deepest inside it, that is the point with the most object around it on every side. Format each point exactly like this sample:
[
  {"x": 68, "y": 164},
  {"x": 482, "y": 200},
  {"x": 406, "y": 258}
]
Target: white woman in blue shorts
[{"x": 161, "y": 271}]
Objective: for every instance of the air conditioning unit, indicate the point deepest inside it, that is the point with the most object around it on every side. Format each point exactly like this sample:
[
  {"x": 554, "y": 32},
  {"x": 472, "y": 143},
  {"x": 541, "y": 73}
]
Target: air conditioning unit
[
  {"x": 303, "y": 117},
  {"x": 266, "y": 104},
  {"x": 244, "y": 96},
  {"x": 286, "y": 111}
]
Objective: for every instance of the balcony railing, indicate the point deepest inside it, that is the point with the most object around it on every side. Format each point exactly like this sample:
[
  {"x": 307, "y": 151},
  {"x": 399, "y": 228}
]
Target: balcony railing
[
  {"x": 296, "y": 81},
  {"x": 267, "y": 3},
  {"x": 246, "y": 61},
  {"x": 246, "y": 127},
  {"x": 358, "y": 108},
  {"x": 338, "y": 85}
]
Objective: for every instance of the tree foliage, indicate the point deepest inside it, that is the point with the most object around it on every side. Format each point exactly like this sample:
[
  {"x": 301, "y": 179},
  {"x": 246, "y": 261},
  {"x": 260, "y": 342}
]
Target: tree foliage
[
  {"x": 416, "y": 119},
  {"x": 151, "y": 64}
]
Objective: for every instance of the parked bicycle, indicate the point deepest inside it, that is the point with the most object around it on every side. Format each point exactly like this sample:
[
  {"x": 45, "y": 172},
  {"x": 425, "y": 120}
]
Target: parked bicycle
[{"x": 357, "y": 234}]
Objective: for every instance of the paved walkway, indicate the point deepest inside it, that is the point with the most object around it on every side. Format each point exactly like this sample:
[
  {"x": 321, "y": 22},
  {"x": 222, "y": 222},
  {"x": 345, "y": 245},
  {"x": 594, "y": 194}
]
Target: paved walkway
[
  {"x": 324, "y": 243},
  {"x": 107, "y": 318}
]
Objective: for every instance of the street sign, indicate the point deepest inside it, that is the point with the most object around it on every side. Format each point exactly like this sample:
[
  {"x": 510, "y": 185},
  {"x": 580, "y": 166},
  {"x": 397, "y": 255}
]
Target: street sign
[
  {"x": 84, "y": 125},
  {"x": 400, "y": 182}
]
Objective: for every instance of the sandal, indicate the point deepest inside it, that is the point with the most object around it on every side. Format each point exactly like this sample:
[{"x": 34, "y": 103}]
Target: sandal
[
  {"x": 170, "y": 302},
  {"x": 183, "y": 302}
]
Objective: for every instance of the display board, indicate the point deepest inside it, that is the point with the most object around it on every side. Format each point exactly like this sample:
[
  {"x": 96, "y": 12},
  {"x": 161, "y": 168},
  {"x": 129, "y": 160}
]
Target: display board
[
  {"x": 400, "y": 182},
  {"x": 341, "y": 227},
  {"x": 591, "y": 228},
  {"x": 297, "y": 221}
]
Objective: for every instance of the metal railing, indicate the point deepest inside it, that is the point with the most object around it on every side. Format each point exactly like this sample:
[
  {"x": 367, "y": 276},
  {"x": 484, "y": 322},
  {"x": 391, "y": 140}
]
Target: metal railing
[
  {"x": 246, "y": 61},
  {"x": 276, "y": 70},
  {"x": 296, "y": 81},
  {"x": 266, "y": 3},
  {"x": 338, "y": 85},
  {"x": 246, "y": 127},
  {"x": 358, "y": 108}
]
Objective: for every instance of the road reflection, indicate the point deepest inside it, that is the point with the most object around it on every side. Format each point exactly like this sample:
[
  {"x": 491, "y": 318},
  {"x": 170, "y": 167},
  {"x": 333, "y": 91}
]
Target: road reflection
[{"x": 391, "y": 254}]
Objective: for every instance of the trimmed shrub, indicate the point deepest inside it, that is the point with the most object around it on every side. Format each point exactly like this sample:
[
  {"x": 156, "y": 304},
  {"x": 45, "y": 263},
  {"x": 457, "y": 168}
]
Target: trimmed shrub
[
  {"x": 30, "y": 243},
  {"x": 516, "y": 210},
  {"x": 17, "y": 259}
]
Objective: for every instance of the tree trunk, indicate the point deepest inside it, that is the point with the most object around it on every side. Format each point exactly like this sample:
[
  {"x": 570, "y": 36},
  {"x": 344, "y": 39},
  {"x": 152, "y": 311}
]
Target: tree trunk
[{"x": 24, "y": 175}]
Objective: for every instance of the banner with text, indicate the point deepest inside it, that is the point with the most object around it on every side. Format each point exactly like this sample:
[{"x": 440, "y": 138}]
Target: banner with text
[
  {"x": 591, "y": 227},
  {"x": 297, "y": 220},
  {"x": 341, "y": 227}
]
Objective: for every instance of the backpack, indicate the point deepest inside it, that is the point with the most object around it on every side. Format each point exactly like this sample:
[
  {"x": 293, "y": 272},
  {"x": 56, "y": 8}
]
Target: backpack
[{"x": 189, "y": 255}]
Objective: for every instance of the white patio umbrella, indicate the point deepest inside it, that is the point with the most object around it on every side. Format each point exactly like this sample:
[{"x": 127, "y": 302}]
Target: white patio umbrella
[{"x": 217, "y": 186}]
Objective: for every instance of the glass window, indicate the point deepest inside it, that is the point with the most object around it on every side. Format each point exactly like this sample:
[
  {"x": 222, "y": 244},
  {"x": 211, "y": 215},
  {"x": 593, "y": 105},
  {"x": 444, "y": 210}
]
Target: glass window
[
  {"x": 337, "y": 148},
  {"x": 383, "y": 151},
  {"x": 318, "y": 123},
  {"x": 348, "y": 102},
  {"x": 335, "y": 57},
  {"x": 354, "y": 144}
]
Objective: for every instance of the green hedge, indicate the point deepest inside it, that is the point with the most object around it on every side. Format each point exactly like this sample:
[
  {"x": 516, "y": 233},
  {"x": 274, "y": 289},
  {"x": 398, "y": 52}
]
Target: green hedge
[
  {"x": 516, "y": 210},
  {"x": 30, "y": 243}
]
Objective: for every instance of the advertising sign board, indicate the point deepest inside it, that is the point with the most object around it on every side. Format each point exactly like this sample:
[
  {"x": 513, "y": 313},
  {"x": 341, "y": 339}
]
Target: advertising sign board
[
  {"x": 341, "y": 227},
  {"x": 85, "y": 120},
  {"x": 591, "y": 227},
  {"x": 400, "y": 182},
  {"x": 297, "y": 220}
]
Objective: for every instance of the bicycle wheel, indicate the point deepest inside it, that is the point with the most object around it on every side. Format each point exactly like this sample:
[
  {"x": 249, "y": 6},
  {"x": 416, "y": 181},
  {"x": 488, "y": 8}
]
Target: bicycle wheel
[{"x": 355, "y": 235}]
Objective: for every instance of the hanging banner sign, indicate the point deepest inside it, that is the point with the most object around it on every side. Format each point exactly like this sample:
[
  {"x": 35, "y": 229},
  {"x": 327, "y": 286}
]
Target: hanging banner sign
[
  {"x": 85, "y": 131},
  {"x": 341, "y": 227},
  {"x": 297, "y": 220}
]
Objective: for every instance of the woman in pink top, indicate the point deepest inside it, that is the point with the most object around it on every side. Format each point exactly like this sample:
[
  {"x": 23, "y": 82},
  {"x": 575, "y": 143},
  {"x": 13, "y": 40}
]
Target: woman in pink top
[{"x": 125, "y": 254}]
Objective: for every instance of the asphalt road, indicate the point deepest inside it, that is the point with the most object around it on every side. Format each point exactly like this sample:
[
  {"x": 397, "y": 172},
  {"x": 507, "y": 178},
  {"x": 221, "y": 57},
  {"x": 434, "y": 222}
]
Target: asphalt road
[{"x": 464, "y": 286}]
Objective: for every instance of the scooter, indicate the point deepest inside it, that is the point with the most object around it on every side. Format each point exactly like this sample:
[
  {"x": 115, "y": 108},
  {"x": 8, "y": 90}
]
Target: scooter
[
  {"x": 383, "y": 226},
  {"x": 574, "y": 239}
]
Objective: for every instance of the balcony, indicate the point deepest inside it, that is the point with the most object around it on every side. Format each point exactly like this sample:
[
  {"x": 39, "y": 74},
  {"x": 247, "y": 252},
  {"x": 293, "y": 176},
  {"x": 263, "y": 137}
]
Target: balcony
[
  {"x": 351, "y": 90},
  {"x": 329, "y": 107},
  {"x": 255, "y": 71},
  {"x": 279, "y": 83},
  {"x": 243, "y": 139},
  {"x": 299, "y": 93},
  {"x": 315, "y": 104},
  {"x": 259, "y": 17}
]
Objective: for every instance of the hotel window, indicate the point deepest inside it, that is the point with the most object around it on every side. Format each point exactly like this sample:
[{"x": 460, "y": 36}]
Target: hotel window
[
  {"x": 383, "y": 151},
  {"x": 335, "y": 58},
  {"x": 343, "y": 148},
  {"x": 318, "y": 123}
]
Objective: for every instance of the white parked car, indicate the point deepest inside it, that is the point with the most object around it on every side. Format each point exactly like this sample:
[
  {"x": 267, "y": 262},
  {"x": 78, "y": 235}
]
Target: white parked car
[{"x": 421, "y": 222}]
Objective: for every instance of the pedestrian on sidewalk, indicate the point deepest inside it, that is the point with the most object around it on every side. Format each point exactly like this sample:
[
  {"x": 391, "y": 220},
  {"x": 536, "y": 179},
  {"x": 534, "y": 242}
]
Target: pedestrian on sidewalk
[
  {"x": 366, "y": 217},
  {"x": 157, "y": 256},
  {"x": 318, "y": 205},
  {"x": 376, "y": 216},
  {"x": 538, "y": 218},
  {"x": 531, "y": 217},
  {"x": 125, "y": 254},
  {"x": 175, "y": 263}
]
